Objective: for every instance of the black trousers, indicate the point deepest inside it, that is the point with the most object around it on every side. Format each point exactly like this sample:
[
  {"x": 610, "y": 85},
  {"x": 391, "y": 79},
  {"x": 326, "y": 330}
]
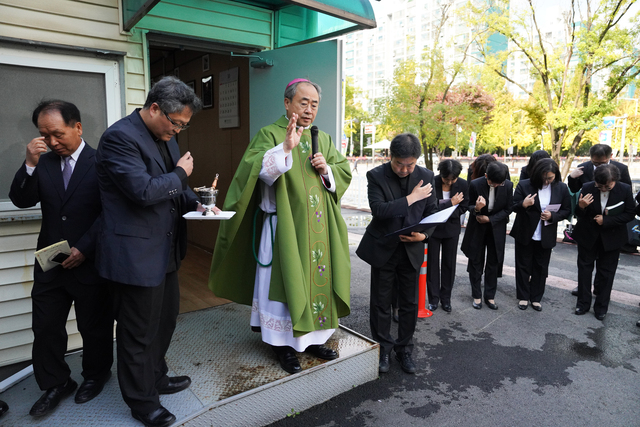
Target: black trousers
[
  {"x": 476, "y": 265},
  {"x": 94, "y": 317},
  {"x": 146, "y": 320},
  {"x": 532, "y": 269},
  {"x": 606, "y": 263},
  {"x": 440, "y": 281},
  {"x": 398, "y": 270}
]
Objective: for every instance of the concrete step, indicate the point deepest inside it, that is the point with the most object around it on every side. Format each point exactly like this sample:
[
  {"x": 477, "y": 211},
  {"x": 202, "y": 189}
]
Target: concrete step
[{"x": 235, "y": 377}]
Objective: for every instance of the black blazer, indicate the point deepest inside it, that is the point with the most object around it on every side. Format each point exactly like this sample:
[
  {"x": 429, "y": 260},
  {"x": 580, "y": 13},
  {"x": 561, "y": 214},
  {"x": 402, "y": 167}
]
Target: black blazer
[
  {"x": 391, "y": 212},
  {"x": 452, "y": 227},
  {"x": 527, "y": 219},
  {"x": 575, "y": 184},
  {"x": 71, "y": 215},
  {"x": 141, "y": 204},
  {"x": 499, "y": 218},
  {"x": 613, "y": 230}
]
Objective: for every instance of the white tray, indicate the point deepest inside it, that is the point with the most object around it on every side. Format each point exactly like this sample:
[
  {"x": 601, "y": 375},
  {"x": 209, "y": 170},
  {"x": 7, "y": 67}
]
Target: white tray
[{"x": 198, "y": 215}]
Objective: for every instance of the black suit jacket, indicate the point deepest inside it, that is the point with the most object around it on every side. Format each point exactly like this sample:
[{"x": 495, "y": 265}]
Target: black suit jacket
[
  {"x": 142, "y": 202},
  {"x": 452, "y": 227},
  {"x": 575, "y": 184},
  {"x": 71, "y": 215},
  {"x": 391, "y": 212},
  {"x": 613, "y": 230},
  {"x": 527, "y": 219},
  {"x": 499, "y": 218}
]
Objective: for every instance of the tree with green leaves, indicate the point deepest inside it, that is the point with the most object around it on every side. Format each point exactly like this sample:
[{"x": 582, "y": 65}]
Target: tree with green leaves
[
  {"x": 596, "y": 46},
  {"x": 354, "y": 114}
]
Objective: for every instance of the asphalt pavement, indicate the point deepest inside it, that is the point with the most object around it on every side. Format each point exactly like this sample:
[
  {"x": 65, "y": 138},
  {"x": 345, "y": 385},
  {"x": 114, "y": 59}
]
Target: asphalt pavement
[{"x": 505, "y": 367}]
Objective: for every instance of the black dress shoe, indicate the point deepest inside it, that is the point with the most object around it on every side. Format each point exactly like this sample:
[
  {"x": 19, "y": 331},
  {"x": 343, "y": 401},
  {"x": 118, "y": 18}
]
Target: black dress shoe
[
  {"x": 406, "y": 363},
  {"x": 158, "y": 418},
  {"x": 50, "y": 399},
  {"x": 492, "y": 306},
  {"x": 523, "y": 306},
  {"x": 3, "y": 407},
  {"x": 574, "y": 292},
  {"x": 383, "y": 367},
  {"x": 90, "y": 389},
  {"x": 580, "y": 311},
  {"x": 600, "y": 316},
  {"x": 433, "y": 307},
  {"x": 175, "y": 385},
  {"x": 638, "y": 323},
  {"x": 477, "y": 306},
  {"x": 536, "y": 307},
  {"x": 446, "y": 307},
  {"x": 322, "y": 352},
  {"x": 288, "y": 359}
]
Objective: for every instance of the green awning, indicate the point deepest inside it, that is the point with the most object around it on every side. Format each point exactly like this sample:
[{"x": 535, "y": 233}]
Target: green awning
[{"x": 297, "y": 21}]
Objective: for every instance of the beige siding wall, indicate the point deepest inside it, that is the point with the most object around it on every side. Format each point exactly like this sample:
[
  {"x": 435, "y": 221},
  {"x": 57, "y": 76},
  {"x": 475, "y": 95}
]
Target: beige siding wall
[{"x": 90, "y": 24}]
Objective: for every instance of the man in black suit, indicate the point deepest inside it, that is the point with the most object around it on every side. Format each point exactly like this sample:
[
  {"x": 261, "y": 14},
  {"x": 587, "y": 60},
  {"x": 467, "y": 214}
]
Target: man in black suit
[
  {"x": 600, "y": 155},
  {"x": 400, "y": 195},
  {"x": 490, "y": 200},
  {"x": 64, "y": 182},
  {"x": 600, "y": 233},
  {"x": 143, "y": 184}
]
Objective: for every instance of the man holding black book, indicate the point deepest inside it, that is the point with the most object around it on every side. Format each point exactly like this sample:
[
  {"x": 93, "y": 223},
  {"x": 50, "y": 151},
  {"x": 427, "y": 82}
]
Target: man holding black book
[
  {"x": 400, "y": 195},
  {"x": 603, "y": 210}
]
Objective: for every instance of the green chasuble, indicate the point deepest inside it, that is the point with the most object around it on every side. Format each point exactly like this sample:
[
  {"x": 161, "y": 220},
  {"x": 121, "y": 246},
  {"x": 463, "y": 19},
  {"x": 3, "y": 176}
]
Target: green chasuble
[{"x": 311, "y": 268}]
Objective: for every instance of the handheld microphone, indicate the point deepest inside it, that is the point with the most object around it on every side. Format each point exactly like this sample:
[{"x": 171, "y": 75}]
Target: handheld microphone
[{"x": 314, "y": 140}]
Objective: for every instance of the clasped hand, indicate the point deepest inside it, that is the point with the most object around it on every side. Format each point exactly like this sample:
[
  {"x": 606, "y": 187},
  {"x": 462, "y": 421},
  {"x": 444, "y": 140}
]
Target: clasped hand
[{"x": 415, "y": 237}]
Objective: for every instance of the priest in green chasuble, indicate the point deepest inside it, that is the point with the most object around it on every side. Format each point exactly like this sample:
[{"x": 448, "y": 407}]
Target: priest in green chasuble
[{"x": 286, "y": 252}]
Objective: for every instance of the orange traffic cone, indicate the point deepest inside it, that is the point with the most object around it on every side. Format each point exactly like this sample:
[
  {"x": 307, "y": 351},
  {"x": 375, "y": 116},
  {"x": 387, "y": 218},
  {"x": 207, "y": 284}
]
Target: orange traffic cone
[{"x": 422, "y": 291}]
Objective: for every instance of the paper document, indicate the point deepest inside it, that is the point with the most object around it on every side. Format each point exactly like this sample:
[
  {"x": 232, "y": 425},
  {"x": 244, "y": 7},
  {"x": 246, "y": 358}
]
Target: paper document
[
  {"x": 45, "y": 256},
  {"x": 552, "y": 208},
  {"x": 426, "y": 223}
]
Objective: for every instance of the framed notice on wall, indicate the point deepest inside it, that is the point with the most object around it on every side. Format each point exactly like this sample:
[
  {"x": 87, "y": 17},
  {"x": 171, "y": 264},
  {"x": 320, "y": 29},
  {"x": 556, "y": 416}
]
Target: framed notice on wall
[{"x": 228, "y": 99}]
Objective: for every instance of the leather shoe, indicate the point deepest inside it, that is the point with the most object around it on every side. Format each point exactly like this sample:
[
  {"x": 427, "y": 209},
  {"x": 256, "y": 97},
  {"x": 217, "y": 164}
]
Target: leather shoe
[
  {"x": 406, "y": 363},
  {"x": 491, "y": 305},
  {"x": 322, "y": 352},
  {"x": 158, "y": 418},
  {"x": 288, "y": 359},
  {"x": 600, "y": 316},
  {"x": 90, "y": 389},
  {"x": 383, "y": 367},
  {"x": 536, "y": 306},
  {"x": 50, "y": 399},
  {"x": 477, "y": 306},
  {"x": 433, "y": 307},
  {"x": 175, "y": 385},
  {"x": 580, "y": 311},
  {"x": 522, "y": 305},
  {"x": 3, "y": 407},
  {"x": 574, "y": 292},
  {"x": 446, "y": 307},
  {"x": 638, "y": 323}
]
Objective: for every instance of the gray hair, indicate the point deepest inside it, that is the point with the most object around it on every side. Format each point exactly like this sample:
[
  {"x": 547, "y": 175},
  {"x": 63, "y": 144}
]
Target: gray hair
[
  {"x": 291, "y": 90},
  {"x": 172, "y": 95}
]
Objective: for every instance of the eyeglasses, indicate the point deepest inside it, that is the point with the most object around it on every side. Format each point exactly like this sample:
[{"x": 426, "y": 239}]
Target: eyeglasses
[
  {"x": 491, "y": 184},
  {"x": 176, "y": 126},
  {"x": 604, "y": 187}
]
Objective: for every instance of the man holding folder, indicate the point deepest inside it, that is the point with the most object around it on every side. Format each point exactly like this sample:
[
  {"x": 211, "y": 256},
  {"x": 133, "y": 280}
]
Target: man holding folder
[{"x": 400, "y": 195}]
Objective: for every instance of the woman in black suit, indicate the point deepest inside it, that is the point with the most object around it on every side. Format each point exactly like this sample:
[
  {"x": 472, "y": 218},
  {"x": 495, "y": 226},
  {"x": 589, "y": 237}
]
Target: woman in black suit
[
  {"x": 540, "y": 203},
  {"x": 450, "y": 191}
]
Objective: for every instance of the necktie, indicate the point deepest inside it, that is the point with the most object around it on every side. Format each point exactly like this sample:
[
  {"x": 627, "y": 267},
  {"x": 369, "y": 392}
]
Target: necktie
[
  {"x": 67, "y": 171},
  {"x": 492, "y": 198}
]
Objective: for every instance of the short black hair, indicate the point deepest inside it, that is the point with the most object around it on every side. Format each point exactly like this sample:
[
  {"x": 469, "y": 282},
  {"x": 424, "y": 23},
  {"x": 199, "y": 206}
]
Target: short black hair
[
  {"x": 600, "y": 150},
  {"x": 172, "y": 95},
  {"x": 497, "y": 172},
  {"x": 404, "y": 146},
  {"x": 69, "y": 112},
  {"x": 537, "y": 155},
  {"x": 605, "y": 173},
  {"x": 540, "y": 169},
  {"x": 449, "y": 168}
]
